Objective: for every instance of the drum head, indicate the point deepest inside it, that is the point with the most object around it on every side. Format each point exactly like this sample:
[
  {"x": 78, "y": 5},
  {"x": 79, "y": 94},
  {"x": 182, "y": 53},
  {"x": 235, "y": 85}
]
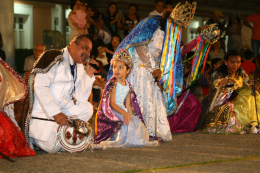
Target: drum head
[{"x": 73, "y": 142}]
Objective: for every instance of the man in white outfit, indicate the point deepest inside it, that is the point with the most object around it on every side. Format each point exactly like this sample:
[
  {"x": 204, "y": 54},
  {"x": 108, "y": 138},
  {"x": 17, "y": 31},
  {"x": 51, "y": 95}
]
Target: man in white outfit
[{"x": 61, "y": 92}]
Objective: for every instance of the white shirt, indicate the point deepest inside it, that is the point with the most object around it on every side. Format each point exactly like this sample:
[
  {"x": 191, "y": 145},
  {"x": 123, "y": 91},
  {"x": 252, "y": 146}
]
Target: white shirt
[{"x": 155, "y": 13}]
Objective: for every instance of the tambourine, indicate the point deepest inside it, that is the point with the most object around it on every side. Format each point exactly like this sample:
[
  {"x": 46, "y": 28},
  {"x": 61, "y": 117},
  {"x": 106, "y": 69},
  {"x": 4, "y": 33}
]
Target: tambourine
[{"x": 76, "y": 137}]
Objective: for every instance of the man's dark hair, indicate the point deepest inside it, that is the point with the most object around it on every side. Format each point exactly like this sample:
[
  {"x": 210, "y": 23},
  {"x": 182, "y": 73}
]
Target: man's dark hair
[
  {"x": 215, "y": 61},
  {"x": 223, "y": 69},
  {"x": 168, "y": 2},
  {"x": 231, "y": 53},
  {"x": 156, "y": 1},
  {"x": 207, "y": 66},
  {"x": 258, "y": 3},
  {"x": 248, "y": 54},
  {"x": 134, "y": 5},
  {"x": 78, "y": 39}
]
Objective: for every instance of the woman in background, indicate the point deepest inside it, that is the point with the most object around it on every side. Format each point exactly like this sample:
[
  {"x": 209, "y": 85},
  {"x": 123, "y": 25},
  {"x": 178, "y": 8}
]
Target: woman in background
[{"x": 234, "y": 33}]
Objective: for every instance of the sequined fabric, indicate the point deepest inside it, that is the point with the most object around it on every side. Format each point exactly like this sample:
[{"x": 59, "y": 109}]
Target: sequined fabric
[
  {"x": 152, "y": 102},
  {"x": 139, "y": 36},
  {"x": 247, "y": 106},
  {"x": 12, "y": 141},
  {"x": 208, "y": 100},
  {"x": 223, "y": 120},
  {"x": 108, "y": 124},
  {"x": 12, "y": 86}
]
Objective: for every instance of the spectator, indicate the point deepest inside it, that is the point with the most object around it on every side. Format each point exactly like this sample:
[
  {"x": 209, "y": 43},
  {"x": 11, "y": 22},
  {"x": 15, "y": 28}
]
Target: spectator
[
  {"x": 234, "y": 33},
  {"x": 216, "y": 51},
  {"x": 215, "y": 64},
  {"x": 158, "y": 8},
  {"x": 104, "y": 29},
  {"x": 2, "y": 53},
  {"x": 29, "y": 61},
  {"x": 205, "y": 80},
  {"x": 255, "y": 39},
  {"x": 168, "y": 5},
  {"x": 215, "y": 19},
  {"x": 102, "y": 51},
  {"x": 112, "y": 47},
  {"x": 248, "y": 65},
  {"x": 113, "y": 17},
  {"x": 244, "y": 48},
  {"x": 78, "y": 19},
  {"x": 130, "y": 20}
]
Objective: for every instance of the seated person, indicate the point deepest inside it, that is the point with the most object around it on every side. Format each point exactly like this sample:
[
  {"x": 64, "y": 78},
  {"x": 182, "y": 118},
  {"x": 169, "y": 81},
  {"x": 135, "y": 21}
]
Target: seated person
[
  {"x": 248, "y": 65},
  {"x": 29, "y": 61},
  {"x": 61, "y": 90},
  {"x": 223, "y": 119},
  {"x": 119, "y": 120}
]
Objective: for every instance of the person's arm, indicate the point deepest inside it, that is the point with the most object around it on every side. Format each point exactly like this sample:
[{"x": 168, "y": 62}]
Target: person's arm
[
  {"x": 83, "y": 91},
  {"x": 128, "y": 104},
  {"x": 109, "y": 51},
  {"x": 119, "y": 25},
  {"x": 207, "y": 78},
  {"x": 115, "y": 20},
  {"x": 246, "y": 22},
  {"x": 114, "y": 106}
]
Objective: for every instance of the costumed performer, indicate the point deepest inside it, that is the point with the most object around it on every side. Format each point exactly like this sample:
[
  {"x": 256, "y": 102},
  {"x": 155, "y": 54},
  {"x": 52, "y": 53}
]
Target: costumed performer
[
  {"x": 247, "y": 106},
  {"x": 230, "y": 76},
  {"x": 60, "y": 88},
  {"x": 223, "y": 119},
  {"x": 145, "y": 44},
  {"x": 13, "y": 89},
  {"x": 119, "y": 119}
]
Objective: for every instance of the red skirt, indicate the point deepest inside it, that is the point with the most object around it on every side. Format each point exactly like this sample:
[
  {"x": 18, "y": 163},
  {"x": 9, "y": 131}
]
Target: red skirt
[
  {"x": 12, "y": 141},
  {"x": 205, "y": 91}
]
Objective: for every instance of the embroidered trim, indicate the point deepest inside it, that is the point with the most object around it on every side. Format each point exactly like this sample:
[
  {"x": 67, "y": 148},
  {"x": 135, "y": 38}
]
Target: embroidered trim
[{"x": 31, "y": 79}]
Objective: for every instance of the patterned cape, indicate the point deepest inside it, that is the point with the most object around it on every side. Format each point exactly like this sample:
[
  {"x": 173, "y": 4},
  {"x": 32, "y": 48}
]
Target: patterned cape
[{"x": 107, "y": 123}]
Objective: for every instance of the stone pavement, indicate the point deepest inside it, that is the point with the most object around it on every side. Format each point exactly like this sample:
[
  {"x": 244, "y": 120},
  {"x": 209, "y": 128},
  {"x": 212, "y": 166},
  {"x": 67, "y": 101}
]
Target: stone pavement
[{"x": 186, "y": 148}]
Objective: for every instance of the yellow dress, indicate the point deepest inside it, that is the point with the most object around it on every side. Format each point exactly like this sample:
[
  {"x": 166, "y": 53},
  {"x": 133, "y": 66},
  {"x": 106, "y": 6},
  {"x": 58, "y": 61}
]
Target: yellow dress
[{"x": 245, "y": 106}]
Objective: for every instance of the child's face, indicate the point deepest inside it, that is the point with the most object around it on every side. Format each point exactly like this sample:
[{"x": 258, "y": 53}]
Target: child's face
[
  {"x": 218, "y": 65},
  {"x": 120, "y": 70}
]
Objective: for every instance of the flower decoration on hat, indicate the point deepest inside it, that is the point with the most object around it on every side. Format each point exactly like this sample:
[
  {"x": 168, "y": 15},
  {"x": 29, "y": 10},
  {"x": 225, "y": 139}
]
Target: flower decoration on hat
[
  {"x": 124, "y": 56},
  {"x": 183, "y": 14}
]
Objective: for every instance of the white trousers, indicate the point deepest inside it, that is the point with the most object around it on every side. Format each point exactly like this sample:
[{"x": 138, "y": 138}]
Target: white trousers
[{"x": 84, "y": 111}]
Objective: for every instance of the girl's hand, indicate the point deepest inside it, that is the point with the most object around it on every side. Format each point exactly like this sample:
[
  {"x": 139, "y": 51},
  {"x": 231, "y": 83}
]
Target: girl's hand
[
  {"x": 157, "y": 74},
  {"x": 223, "y": 82},
  {"x": 127, "y": 118}
]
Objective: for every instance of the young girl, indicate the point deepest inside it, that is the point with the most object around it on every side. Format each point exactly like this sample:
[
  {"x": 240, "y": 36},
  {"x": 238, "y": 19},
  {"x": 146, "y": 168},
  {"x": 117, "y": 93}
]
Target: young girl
[{"x": 119, "y": 119}]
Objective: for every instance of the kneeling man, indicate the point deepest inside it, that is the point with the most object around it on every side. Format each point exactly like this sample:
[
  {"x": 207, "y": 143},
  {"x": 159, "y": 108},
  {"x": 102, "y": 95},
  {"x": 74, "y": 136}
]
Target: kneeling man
[{"x": 61, "y": 89}]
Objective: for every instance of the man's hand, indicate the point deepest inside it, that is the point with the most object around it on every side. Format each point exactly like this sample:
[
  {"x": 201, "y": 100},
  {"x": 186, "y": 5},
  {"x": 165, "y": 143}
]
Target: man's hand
[
  {"x": 61, "y": 119},
  {"x": 157, "y": 74},
  {"x": 90, "y": 70}
]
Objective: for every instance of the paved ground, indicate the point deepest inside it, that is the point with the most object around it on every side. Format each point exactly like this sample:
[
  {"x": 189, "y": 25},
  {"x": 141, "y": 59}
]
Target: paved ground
[{"x": 186, "y": 148}]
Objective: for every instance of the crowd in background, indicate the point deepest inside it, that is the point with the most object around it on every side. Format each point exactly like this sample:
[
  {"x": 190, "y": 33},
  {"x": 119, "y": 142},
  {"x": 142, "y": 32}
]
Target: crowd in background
[{"x": 104, "y": 29}]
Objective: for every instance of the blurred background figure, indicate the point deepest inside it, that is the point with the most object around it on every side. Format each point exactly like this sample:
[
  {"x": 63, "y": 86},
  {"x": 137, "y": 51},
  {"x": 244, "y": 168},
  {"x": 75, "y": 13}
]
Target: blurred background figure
[
  {"x": 216, "y": 51},
  {"x": 234, "y": 33},
  {"x": 168, "y": 5},
  {"x": 130, "y": 20},
  {"x": 248, "y": 65},
  {"x": 113, "y": 17},
  {"x": 112, "y": 46},
  {"x": 255, "y": 39},
  {"x": 158, "y": 8},
  {"x": 29, "y": 61}
]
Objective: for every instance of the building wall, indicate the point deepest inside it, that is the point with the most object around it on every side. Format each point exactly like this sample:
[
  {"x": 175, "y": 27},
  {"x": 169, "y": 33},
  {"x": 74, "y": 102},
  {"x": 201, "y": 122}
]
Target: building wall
[{"x": 41, "y": 19}]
